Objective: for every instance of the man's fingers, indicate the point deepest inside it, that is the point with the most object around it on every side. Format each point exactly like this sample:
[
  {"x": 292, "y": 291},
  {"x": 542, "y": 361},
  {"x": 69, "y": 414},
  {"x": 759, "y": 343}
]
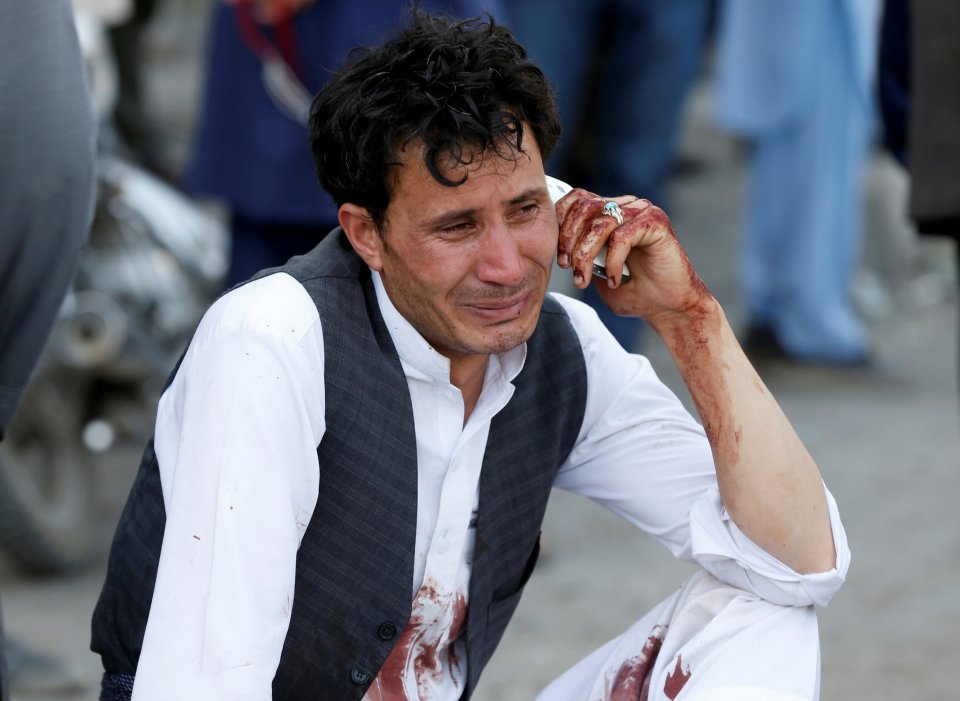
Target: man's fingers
[
  {"x": 575, "y": 211},
  {"x": 619, "y": 245},
  {"x": 585, "y": 227},
  {"x": 661, "y": 275},
  {"x": 588, "y": 247},
  {"x": 647, "y": 226}
]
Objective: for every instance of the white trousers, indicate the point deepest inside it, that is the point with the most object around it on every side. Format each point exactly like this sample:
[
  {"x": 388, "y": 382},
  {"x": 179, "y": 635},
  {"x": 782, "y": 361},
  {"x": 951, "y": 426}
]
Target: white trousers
[{"x": 708, "y": 641}]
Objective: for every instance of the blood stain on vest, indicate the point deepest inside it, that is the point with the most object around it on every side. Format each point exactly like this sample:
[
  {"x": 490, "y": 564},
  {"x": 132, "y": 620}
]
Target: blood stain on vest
[
  {"x": 676, "y": 680},
  {"x": 632, "y": 680}
]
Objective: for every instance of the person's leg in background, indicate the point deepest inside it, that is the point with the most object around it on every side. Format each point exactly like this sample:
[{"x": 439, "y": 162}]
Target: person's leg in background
[
  {"x": 804, "y": 216},
  {"x": 653, "y": 53}
]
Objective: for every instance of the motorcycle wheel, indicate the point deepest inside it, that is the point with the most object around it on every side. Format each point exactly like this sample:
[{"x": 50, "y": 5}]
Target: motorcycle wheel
[{"x": 48, "y": 482}]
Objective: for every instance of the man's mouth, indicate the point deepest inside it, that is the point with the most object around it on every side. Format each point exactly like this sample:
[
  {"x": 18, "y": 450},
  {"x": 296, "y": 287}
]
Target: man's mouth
[{"x": 500, "y": 309}]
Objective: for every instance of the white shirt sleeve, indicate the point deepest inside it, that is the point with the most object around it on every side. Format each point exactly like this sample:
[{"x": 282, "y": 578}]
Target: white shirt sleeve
[
  {"x": 643, "y": 456},
  {"x": 236, "y": 440}
]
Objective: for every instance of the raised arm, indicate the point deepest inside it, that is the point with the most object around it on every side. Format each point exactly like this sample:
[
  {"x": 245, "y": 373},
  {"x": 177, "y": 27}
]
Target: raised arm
[{"x": 768, "y": 482}]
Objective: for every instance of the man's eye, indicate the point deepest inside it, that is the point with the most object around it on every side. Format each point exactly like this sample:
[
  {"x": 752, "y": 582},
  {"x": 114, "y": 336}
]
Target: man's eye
[
  {"x": 459, "y": 228},
  {"x": 528, "y": 210}
]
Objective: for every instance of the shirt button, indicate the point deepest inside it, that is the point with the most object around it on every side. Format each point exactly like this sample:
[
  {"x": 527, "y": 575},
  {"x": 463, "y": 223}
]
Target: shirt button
[
  {"x": 387, "y": 631},
  {"x": 358, "y": 675},
  {"x": 443, "y": 546},
  {"x": 455, "y": 465}
]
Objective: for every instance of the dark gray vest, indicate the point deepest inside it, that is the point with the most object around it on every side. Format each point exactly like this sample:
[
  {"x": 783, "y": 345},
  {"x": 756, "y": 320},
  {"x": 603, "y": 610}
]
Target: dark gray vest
[{"x": 355, "y": 562}]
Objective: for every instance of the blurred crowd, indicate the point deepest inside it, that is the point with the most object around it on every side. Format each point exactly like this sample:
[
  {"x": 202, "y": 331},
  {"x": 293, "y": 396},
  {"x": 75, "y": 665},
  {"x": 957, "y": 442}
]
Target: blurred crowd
[
  {"x": 805, "y": 88},
  {"x": 811, "y": 90}
]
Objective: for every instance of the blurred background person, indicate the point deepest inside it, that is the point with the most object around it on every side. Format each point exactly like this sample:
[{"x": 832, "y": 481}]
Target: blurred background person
[
  {"x": 266, "y": 60},
  {"x": 124, "y": 124},
  {"x": 934, "y": 118},
  {"x": 130, "y": 117},
  {"x": 795, "y": 79},
  {"x": 622, "y": 70},
  {"x": 893, "y": 77},
  {"x": 920, "y": 106},
  {"x": 47, "y": 136}
]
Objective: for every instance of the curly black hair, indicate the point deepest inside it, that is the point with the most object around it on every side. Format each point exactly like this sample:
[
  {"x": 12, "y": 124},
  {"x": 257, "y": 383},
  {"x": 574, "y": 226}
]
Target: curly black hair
[{"x": 463, "y": 88}]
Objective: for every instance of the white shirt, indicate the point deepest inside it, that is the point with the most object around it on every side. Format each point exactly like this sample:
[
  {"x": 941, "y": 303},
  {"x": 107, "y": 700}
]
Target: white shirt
[{"x": 236, "y": 439}]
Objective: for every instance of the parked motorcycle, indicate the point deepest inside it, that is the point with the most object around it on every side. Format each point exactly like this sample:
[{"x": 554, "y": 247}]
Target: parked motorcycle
[{"x": 154, "y": 261}]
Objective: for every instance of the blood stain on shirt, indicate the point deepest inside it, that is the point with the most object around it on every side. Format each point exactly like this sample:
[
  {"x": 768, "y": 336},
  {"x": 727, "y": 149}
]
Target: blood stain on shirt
[
  {"x": 389, "y": 681},
  {"x": 632, "y": 681},
  {"x": 428, "y": 664},
  {"x": 424, "y": 646},
  {"x": 676, "y": 680}
]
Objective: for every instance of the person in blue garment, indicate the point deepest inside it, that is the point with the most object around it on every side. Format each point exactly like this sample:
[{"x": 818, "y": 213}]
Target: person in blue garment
[
  {"x": 622, "y": 70},
  {"x": 795, "y": 80},
  {"x": 267, "y": 58}
]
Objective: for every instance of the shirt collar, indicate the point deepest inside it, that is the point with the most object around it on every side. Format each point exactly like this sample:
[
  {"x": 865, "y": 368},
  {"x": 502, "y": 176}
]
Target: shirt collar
[{"x": 419, "y": 356}]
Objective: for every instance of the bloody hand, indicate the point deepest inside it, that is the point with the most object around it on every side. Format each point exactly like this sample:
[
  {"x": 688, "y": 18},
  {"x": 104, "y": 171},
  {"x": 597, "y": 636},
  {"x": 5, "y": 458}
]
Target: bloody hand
[{"x": 662, "y": 281}]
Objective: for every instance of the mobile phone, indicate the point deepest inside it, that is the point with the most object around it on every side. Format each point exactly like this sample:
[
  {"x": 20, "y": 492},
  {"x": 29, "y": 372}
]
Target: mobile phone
[{"x": 557, "y": 189}]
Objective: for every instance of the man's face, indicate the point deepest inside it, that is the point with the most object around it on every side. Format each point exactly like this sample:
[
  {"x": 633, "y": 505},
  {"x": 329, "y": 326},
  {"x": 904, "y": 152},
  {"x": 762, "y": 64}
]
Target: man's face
[{"x": 468, "y": 266}]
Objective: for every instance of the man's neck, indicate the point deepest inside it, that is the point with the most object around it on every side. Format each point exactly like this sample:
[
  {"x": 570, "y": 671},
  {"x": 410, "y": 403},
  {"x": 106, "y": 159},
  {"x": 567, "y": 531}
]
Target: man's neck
[{"x": 467, "y": 375}]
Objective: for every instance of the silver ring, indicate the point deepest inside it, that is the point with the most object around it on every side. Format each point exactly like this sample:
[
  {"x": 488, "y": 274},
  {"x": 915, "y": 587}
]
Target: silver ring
[{"x": 612, "y": 209}]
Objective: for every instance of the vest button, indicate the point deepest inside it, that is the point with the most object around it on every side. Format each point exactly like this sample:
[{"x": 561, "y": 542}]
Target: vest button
[
  {"x": 387, "y": 631},
  {"x": 358, "y": 675}
]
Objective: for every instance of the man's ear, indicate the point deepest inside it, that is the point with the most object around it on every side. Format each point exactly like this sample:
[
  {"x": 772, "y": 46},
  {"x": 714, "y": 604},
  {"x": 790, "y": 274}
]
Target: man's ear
[{"x": 362, "y": 233}]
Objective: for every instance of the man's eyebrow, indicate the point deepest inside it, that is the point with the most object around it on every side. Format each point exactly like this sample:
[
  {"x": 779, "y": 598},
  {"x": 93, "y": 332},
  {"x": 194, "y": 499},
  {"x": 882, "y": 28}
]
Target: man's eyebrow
[{"x": 533, "y": 192}]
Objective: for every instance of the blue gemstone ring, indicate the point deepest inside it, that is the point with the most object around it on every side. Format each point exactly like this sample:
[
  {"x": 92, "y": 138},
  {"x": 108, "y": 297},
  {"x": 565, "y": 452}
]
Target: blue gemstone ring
[{"x": 612, "y": 209}]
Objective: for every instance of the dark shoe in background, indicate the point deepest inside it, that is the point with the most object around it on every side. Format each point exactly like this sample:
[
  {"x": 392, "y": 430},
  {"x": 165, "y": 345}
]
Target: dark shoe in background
[{"x": 761, "y": 345}]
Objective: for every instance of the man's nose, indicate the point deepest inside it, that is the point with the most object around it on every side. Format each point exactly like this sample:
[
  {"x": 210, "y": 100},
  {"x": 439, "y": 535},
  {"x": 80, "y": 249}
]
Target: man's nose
[{"x": 501, "y": 261}]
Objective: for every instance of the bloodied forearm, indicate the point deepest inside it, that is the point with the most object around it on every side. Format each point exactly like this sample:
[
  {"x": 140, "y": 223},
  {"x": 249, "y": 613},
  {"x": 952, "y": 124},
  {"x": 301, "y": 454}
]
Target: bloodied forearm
[{"x": 769, "y": 483}]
